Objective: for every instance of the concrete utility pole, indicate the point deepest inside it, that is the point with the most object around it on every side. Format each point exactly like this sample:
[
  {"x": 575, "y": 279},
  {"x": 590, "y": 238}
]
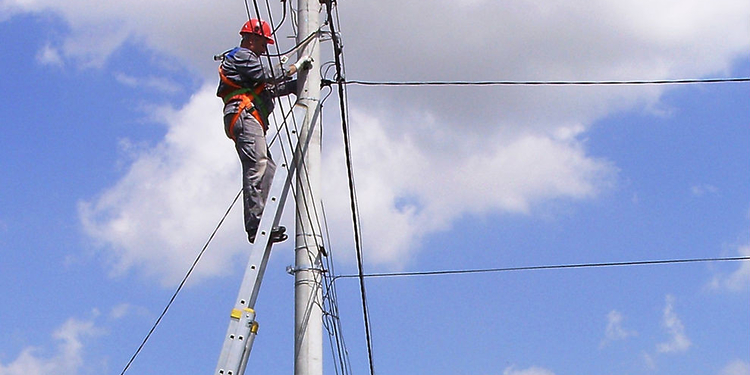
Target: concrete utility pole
[{"x": 308, "y": 316}]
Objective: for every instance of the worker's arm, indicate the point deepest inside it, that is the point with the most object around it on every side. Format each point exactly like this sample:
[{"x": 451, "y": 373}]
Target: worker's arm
[
  {"x": 283, "y": 88},
  {"x": 289, "y": 86},
  {"x": 250, "y": 71}
]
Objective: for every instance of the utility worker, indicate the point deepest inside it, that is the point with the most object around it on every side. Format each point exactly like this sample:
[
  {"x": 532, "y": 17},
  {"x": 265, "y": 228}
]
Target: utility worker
[{"x": 248, "y": 89}]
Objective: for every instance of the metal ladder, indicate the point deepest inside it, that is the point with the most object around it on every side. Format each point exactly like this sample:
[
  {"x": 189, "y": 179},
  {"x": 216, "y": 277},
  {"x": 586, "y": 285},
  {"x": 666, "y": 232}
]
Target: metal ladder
[{"x": 243, "y": 327}]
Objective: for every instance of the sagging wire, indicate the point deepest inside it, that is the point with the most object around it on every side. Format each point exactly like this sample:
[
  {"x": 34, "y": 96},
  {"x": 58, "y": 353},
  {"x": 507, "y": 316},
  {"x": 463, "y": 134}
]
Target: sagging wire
[
  {"x": 339, "y": 351},
  {"x": 234, "y": 201},
  {"x": 332, "y": 308},
  {"x": 182, "y": 284},
  {"x": 284, "y": 124},
  {"x": 687, "y": 81},
  {"x": 340, "y": 76},
  {"x": 302, "y": 44},
  {"x": 302, "y": 167},
  {"x": 329, "y": 301},
  {"x": 549, "y": 267}
]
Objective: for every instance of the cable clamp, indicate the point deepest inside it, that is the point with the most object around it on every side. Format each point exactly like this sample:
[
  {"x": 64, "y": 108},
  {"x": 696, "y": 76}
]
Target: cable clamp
[
  {"x": 308, "y": 98},
  {"x": 292, "y": 270}
]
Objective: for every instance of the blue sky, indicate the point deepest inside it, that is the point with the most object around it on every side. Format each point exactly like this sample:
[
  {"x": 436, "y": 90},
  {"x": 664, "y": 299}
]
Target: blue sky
[{"x": 115, "y": 171}]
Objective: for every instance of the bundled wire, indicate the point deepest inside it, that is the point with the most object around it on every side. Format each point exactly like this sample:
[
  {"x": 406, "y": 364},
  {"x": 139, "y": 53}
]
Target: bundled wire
[
  {"x": 338, "y": 58},
  {"x": 329, "y": 303}
]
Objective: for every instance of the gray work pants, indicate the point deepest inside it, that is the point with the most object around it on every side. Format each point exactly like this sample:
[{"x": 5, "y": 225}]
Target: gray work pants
[{"x": 257, "y": 167}]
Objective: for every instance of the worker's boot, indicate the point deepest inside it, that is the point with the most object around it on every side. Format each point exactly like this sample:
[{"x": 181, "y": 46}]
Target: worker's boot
[{"x": 278, "y": 234}]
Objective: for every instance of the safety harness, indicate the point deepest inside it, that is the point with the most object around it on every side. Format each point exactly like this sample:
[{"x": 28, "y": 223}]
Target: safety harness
[{"x": 246, "y": 97}]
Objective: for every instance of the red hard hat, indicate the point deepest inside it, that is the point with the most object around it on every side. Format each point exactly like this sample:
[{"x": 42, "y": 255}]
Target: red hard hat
[{"x": 256, "y": 26}]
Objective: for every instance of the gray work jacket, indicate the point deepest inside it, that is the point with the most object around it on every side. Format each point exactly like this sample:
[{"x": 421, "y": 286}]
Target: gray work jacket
[{"x": 245, "y": 69}]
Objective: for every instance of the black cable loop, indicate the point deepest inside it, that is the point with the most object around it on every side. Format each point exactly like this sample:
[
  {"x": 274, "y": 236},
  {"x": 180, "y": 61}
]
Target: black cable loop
[
  {"x": 283, "y": 15},
  {"x": 341, "y": 351},
  {"x": 285, "y": 126},
  {"x": 302, "y": 167},
  {"x": 297, "y": 46},
  {"x": 338, "y": 58}
]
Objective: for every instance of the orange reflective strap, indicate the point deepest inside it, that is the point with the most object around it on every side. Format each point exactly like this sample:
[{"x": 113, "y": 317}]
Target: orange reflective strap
[
  {"x": 226, "y": 80},
  {"x": 256, "y": 114},
  {"x": 228, "y": 95},
  {"x": 245, "y": 96},
  {"x": 245, "y": 102}
]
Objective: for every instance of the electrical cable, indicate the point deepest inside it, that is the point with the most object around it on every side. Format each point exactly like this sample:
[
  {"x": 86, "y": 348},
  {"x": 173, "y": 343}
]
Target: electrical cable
[
  {"x": 339, "y": 351},
  {"x": 247, "y": 9},
  {"x": 283, "y": 16},
  {"x": 330, "y": 285},
  {"x": 350, "y": 174},
  {"x": 546, "y": 267},
  {"x": 299, "y": 45},
  {"x": 301, "y": 167},
  {"x": 195, "y": 262},
  {"x": 182, "y": 283},
  {"x": 546, "y": 83}
]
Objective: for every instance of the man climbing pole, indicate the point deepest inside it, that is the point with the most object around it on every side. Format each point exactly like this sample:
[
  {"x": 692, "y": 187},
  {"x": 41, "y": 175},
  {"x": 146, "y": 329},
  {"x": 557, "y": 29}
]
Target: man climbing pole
[{"x": 247, "y": 89}]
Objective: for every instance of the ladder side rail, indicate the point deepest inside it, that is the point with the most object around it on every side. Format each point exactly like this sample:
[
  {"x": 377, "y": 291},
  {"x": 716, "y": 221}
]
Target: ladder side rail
[
  {"x": 242, "y": 317},
  {"x": 239, "y": 335},
  {"x": 242, "y": 327},
  {"x": 251, "y": 287}
]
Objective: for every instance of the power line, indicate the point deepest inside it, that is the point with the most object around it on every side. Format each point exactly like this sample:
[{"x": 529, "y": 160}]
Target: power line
[
  {"x": 546, "y": 267},
  {"x": 547, "y": 83},
  {"x": 339, "y": 63},
  {"x": 182, "y": 283}
]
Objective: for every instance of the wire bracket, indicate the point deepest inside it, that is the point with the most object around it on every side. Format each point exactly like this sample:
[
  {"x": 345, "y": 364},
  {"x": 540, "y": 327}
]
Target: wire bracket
[{"x": 292, "y": 270}]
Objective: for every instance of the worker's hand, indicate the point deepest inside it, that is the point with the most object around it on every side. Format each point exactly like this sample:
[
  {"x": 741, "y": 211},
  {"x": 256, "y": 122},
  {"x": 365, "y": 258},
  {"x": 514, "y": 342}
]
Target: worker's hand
[{"x": 303, "y": 63}]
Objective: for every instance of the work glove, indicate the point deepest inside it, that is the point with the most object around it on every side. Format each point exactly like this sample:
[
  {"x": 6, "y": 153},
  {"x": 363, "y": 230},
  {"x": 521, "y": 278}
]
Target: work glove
[{"x": 304, "y": 63}]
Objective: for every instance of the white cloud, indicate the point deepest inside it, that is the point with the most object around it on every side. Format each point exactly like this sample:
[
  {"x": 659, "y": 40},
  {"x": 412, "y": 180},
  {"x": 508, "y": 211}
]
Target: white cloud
[
  {"x": 524, "y": 40},
  {"x": 49, "y": 56},
  {"x": 407, "y": 189},
  {"x": 648, "y": 361},
  {"x": 157, "y": 216},
  {"x": 581, "y": 40},
  {"x": 162, "y": 211},
  {"x": 95, "y": 29},
  {"x": 423, "y": 156},
  {"x": 68, "y": 358},
  {"x": 678, "y": 341},
  {"x": 125, "y": 309},
  {"x": 615, "y": 330},
  {"x": 529, "y": 371},
  {"x": 703, "y": 189},
  {"x": 737, "y": 281},
  {"x": 153, "y": 83},
  {"x": 737, "y": 367}
]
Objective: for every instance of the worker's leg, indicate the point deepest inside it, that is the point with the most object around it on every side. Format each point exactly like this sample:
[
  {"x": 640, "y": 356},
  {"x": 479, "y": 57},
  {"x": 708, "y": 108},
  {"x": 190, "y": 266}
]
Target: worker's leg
[{"x": 257, "y": 169}]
